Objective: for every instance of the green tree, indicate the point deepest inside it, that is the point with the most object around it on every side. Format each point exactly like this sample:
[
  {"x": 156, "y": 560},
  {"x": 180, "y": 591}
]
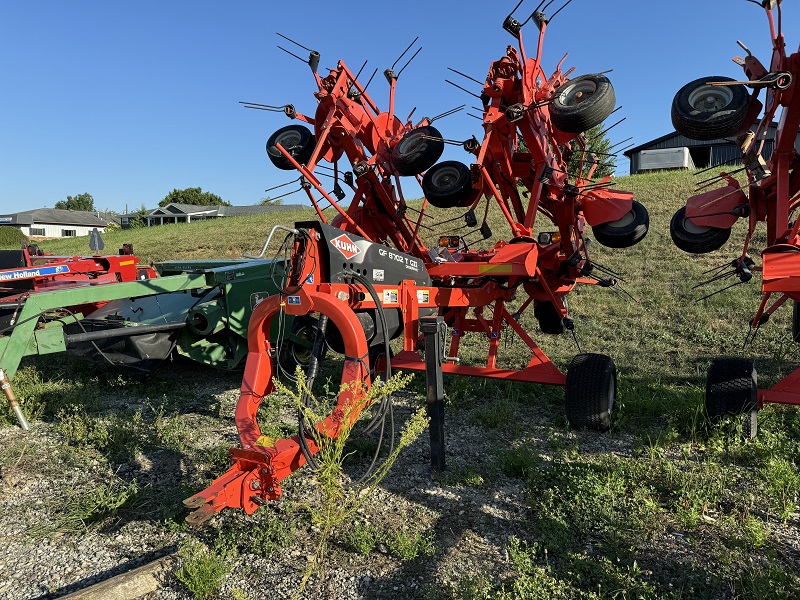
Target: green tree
[
  {"x": 80, "y": 202},
  {"x": 270, "y": 202},
  {"x": 194, "y": 196},
  {"x": 139, "y": 220},
  {"x": 597, "y": 143}
]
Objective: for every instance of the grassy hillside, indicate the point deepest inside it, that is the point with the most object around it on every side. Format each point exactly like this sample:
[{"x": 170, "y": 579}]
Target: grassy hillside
[
  {"x": 11, "y": 238},
  {"x": 657, "y": 508},
  {"x": 662, "y": 332},
  {"x": 219, "y": 238}
]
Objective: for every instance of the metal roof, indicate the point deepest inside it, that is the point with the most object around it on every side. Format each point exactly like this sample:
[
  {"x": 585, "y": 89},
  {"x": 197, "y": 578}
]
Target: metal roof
[
  {"x": 684, "y": 141},
  {"x": 57, "y": 216},
  {"x": 175, "y": 208}
]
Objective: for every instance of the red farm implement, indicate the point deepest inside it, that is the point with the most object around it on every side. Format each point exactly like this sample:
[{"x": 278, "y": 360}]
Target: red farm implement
[
  {"x": 717, "y": 107},
  {"x": 366, "y": 275},
  {"x": 28, "y": 271}
]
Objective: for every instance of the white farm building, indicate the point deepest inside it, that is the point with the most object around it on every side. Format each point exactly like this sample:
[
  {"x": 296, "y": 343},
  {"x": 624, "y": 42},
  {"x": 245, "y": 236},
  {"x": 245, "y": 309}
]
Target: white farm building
[{"x": 58, "y": 223}]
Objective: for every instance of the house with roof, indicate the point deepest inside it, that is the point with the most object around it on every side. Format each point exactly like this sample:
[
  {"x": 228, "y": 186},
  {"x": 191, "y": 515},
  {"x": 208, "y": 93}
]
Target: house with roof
[
  {"x": 700, "y": 154},
  {"x": 189, "y": 213},
  {"x": 58, "y": 223}
]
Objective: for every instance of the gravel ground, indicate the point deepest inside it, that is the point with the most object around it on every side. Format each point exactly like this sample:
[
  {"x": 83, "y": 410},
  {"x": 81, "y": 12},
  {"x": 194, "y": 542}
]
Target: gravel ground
[{"x": 470, "y": 524}]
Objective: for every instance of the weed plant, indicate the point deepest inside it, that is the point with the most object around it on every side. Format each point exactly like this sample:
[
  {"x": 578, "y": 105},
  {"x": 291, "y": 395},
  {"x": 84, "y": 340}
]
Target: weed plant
[
  {"x": 202, "y": 570},
  {"x": 339, "y": 502}
]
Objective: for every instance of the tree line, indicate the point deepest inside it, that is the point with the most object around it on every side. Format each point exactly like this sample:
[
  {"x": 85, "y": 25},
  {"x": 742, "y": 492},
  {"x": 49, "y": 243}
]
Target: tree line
[{"x": 194, "y": 196}]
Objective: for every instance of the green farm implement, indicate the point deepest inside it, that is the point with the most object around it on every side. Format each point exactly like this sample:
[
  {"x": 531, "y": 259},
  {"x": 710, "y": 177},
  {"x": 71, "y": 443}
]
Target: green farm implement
[{"x": 198, "y": 309}]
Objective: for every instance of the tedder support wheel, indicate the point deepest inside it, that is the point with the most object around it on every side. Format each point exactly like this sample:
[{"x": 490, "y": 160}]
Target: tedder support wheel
[
  {"x": 582, "y": 103},
  {"x": 701, "y": 111},
  {"x": 448, "y": 184},
  {"x": 590, "y": 391},
  {"x": 297, "y": 352},
  {"x": 549, "y": 317},
  {"x": 696, "y": 239},
  {"x": 416, "y": 151},
  {"x": 296, "y": 140},
  {"x": 732, "y": 389},
  {"x": 625, "y": 232}
]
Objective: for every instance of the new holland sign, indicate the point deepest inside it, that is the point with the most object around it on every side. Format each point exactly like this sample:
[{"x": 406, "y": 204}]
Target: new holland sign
[{"x": 32, "y": 273}]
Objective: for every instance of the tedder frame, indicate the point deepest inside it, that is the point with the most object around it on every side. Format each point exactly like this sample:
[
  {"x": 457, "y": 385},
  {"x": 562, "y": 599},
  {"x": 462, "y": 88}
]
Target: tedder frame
[{"x": 365, "y": 276}]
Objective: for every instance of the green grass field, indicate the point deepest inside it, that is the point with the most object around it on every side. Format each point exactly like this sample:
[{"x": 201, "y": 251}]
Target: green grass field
[{"x": 678, "y": 512}]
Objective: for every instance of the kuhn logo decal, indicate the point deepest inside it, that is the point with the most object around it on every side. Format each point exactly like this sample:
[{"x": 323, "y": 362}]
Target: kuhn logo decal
[{"x": 346, "y": 246}]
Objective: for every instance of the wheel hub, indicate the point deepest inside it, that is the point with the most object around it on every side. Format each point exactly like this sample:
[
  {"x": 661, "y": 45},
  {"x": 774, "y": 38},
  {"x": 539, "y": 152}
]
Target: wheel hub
[
  {"x": 710, "y": 98},
  {"x": 695, "y": 229},
  {"x": 446, "y": 178},
  {"x": 290, "y": 140},
  {"x": 577, "y": 93},
  {"x": 626, "y": 220}
]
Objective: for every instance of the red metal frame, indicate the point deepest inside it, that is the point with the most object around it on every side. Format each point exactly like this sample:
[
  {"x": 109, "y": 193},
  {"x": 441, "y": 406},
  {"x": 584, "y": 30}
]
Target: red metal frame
[
  {"x": 46, "y": 272},
  {"x": 471, "y": 288},
  {"x": 772, "y": 194}
]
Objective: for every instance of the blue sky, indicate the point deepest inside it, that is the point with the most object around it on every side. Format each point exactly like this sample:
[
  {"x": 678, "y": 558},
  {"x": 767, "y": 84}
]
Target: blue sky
[{"x": 128, "y": 100}]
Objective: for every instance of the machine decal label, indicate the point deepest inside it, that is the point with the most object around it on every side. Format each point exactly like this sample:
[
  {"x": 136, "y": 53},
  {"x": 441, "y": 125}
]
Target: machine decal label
[
  {"x": 294, "y": 299},
  {"x": 257, "y": 298},
  {"x": 496, "y": 269},
  {"x": 125, "y": 263},
  {"x": 423, "y": 296},
  {"x": 346, "y": 246},
  {"x": 377, "y": 274},
  {"x": 31, "y": 273},
  {"x": 409, "y": 262},
  {"x": 310, "y": 279},
  {"x": 390, "y": 296}
]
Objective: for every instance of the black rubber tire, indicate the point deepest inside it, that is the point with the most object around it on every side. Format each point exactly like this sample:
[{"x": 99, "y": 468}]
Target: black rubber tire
[
  {"x": 415, "y": 152},
  {"x": 709, "y": 112},
  {"x": 549, "y": 318},
  {"x": 292, "y": 354},
  {"x": 297, "y": 140},
  {"x": 696, "y": 239},
  {"x": 448, "y": 184},
  {"x": 796, "y": 321},
  {"x": 590, "y": 391},
  {"x": 625, "y": 232},
  {"x": 377, "y": 361},
  {"x": 732, "y": 389},
  {"x": 582, "y": 103}
]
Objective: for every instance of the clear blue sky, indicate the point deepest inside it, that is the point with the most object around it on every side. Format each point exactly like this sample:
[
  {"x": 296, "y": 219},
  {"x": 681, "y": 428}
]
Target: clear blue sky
[{"x": 128, "y": 100}]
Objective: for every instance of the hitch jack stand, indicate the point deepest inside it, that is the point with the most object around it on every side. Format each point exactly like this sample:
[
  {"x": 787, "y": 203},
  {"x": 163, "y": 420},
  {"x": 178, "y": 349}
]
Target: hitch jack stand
[
  {"x": 430, "y": 327},
  {"x": 5, "y": 384}
]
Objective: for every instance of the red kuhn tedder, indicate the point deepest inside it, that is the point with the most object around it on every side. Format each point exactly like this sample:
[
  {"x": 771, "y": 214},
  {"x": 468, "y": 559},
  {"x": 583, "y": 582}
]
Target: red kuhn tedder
[
  {"x": 363, "y": 276},
  {"x": 719, "y": 107}
]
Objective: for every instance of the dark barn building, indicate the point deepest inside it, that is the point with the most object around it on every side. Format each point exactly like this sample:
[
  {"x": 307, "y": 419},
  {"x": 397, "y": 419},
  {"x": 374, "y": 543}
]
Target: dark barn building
[{"x": 703, "y": 153}]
